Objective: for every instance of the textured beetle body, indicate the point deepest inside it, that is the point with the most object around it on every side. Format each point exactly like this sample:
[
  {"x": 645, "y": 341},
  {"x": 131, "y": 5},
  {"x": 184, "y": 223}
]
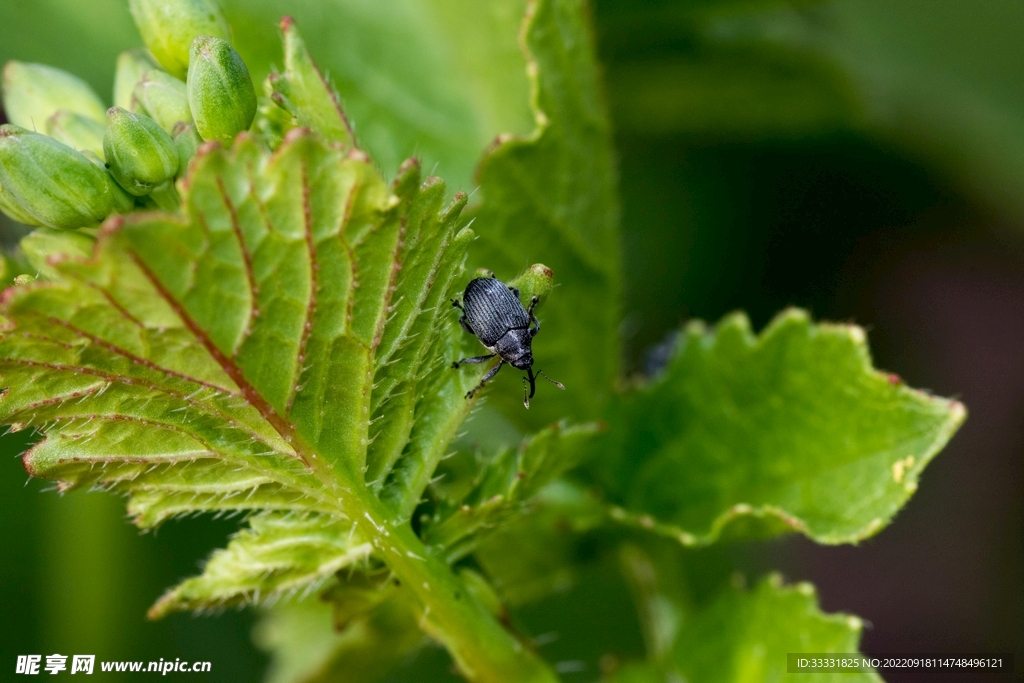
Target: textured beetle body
[{"x": 493, "y": 314}]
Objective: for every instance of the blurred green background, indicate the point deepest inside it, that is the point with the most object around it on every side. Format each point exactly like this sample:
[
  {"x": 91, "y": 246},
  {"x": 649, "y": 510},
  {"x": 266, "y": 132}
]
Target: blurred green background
[{"x": 861, "y": 158}]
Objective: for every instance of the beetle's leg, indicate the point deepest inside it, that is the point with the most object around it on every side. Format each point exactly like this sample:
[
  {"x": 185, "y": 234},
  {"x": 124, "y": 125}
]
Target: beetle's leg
[
  {"x": 470, "y": 361},
  {"x": 483, "y": 380},
  {"x": 529, "y": 312},
  {"x": 465, "y": 325},
  {"x": 514, "y": 290},
  {"x": 456, "y": 304}
]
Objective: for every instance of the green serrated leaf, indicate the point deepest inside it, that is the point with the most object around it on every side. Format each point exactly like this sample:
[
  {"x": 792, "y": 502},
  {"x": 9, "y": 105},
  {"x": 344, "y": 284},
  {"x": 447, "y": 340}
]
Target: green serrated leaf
[
  {"x": 203, "y": 362},
  {"x": 277, "y": 553},
  {"x": 737, "y": 636},
  {"x": 506, "y": 485},
  {"x": 552, "y": 198},
  {"x": 302, "y": 91},
  {"x": 745, "y": 636},
  {"x": 225, "y": 359},
  {"x": 792, "y": 430}
]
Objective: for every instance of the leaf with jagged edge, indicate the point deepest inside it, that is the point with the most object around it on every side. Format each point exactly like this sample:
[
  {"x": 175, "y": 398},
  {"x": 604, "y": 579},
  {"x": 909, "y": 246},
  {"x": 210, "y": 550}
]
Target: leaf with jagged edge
[
  {"x": 552, "y": 198},
  {"x": 746, "y": 636},
  {"x": 506, "y": 484},
  {"x": 202, "y": 361},
  {"x": 792, "y": 430},
  {"x": 431, "y": 420},
  {"x": 278, "y": 553},
  {"x": 303, "y": 93},
  {"x": 733, "y": 635}
]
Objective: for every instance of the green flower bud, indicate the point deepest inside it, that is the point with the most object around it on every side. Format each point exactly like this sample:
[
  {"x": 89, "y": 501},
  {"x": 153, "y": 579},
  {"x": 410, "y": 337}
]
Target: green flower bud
[
  {"x": 220, "y": 91},
  {"x": 76, "y": 131},
  {"x": 163, "y": 98},
  {"x": 139, "y": 153},
  {"x": 49, "y": 182},
  {"x": 536, "y": 281},
  {"x": 131, "y": 66},
  {"x": 169, "y": 26},
  {"x": 187, "y": 141},
  {"x": 9, "y": 205},
  {"x": 34, "y": 92},
  {"x": 123, "y": 202}
]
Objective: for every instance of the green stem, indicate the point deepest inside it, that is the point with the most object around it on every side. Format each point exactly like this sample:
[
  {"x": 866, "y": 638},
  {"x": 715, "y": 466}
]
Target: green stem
[{"x": 483, "y": 649}]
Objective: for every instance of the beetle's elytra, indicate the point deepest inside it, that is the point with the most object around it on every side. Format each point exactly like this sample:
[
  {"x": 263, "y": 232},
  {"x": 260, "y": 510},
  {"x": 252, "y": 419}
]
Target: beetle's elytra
[{"x": 493, "y": 314}]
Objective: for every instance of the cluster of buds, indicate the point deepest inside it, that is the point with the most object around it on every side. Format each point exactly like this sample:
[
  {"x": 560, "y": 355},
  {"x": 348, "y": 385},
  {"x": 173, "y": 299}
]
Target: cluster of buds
[{"x": 67, "y": 162}]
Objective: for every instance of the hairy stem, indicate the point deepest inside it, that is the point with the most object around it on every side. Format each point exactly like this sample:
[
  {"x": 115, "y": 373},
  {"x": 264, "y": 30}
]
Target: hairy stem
[{"x": 483, "y": 649}]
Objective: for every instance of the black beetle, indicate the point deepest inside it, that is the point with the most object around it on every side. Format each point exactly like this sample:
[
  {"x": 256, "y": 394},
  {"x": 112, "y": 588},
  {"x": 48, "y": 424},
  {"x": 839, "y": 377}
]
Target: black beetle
[{"x": 493, "y": 314}]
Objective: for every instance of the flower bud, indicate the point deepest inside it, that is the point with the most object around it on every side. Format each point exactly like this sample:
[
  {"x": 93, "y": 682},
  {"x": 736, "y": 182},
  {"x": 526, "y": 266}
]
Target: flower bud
[
  {"x": 76, "y": 131},
  {"x": 220, "y": 91},
  {"x": 34, "y": 92},
  {"x": 50, "y": 183},
  {"x": 123, "y": 202},
  {"x": 139, "y": 153},
  {"x": 187, "y": 141},
  {"x": 9, "y": 205},
  {"x": 163, "y": 98},
  {"x": 169, "y": 26},
  {"x": 131, "y": 66},
  {"x": 536, "y": 281}
]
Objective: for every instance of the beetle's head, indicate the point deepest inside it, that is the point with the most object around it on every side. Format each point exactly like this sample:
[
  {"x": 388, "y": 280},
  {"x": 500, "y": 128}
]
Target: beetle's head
[{"x": 523, "y": 362}]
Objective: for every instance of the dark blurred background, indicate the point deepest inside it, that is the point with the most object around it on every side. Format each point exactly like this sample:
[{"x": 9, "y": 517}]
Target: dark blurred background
[{"x": 863, "y": 159}]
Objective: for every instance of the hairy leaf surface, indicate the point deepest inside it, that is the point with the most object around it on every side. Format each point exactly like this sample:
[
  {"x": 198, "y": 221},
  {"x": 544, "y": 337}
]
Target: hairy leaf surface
[
  {"x": 791, "y": 430},
  {"x": 304, "y": 94},
  {"x": 223, "y": 359}
]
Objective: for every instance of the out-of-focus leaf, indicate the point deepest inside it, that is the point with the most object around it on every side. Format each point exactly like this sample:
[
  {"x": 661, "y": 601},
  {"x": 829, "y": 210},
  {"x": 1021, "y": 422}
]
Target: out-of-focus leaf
[
  {"x": 673, "y": 71},
  {"x": 82, "y": 38},
  {"x": 308, "y": 649},
  {"x": 738, "y": 636},
  {"x": 922, "y": 76},
  {"x": 39, "y": 245},
  {"x": 745, "y": 636},
  {"x": 436, "y": 79},
  {"x": 552, "y": 198},
  {"x": 540, "y": 553},
  {"x": 791, "y": 430},
  {"x": 734, "y": 96}
]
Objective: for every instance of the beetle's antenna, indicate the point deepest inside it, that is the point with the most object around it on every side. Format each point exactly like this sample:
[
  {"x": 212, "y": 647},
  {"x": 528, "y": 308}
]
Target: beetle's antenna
[{"x": 540, "y": 373}]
